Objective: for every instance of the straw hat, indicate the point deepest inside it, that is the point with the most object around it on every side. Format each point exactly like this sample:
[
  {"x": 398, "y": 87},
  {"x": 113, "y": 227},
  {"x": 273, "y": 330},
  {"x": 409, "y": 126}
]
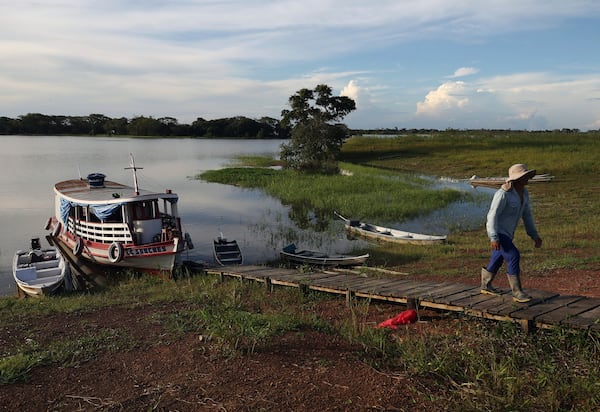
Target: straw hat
[{"x": 519, "y": 171}]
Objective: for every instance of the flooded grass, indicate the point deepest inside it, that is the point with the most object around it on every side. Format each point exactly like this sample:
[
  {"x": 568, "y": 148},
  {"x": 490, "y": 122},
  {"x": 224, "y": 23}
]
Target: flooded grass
[{"x": 364, "y": 192}]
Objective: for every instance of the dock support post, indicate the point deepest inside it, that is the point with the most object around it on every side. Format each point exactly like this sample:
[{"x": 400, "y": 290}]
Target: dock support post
[
  {"x": 349, "y": 298},
  {"x": 527, "y": 325},
  {"x": 268, "y": 284},
  {"x": 412, "y": 303}
]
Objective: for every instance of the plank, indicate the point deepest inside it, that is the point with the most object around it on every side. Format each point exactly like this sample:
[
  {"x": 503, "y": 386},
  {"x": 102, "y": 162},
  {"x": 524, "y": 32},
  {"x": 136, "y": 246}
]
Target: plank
[
  {"x": 423, "y": 291},
  {"x": 585, "y": 320},
  {"x": 493, "y": 302},
  {"x": 442, "y": 293},
  {"x": 478, "y": 300},
  {"x": 343, "y": 282},
  {"x": 573, "y": 309},
  {"x": 371, "y": 283},
  {"x": 395, "y": 285},
  {"x": 553, "y": 304},
  {"x": 301, "y": 277},
  {"x": 404, "y": 287},
  {"x": 451, "y": 299}
]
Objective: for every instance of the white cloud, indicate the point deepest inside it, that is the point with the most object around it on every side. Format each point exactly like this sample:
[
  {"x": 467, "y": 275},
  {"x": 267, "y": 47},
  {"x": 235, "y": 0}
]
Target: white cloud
[
  {"x": 447, "y": 97},
  {"x": 353, "y": 91},
  {"x": 521, "y": 101},
  {"x": 464, "y": 71}
]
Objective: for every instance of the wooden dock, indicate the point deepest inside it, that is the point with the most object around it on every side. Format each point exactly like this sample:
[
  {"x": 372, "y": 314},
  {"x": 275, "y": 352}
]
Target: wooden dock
[{"x": 546, "y": 310}]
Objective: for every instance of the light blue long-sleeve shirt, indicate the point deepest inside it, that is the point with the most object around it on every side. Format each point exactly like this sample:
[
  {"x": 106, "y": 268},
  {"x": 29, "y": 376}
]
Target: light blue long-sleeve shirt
[{"x": 505, "y": 212}]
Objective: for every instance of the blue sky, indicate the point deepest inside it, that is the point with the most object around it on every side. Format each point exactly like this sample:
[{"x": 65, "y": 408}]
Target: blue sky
[{"x": 509, "y": 64}]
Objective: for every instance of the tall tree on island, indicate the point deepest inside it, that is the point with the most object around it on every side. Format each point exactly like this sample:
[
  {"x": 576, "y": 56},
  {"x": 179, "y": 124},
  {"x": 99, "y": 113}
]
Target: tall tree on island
[{"x": 315, "y": 143}]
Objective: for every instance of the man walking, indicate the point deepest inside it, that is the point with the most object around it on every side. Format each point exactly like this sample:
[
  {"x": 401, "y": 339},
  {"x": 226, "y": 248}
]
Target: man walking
[{"x": 509, "y": 205}]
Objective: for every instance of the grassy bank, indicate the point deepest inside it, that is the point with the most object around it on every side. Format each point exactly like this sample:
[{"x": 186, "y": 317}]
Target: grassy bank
[
  {"x": 461, "y": 363},
  {"x": 467, "y": 364}
]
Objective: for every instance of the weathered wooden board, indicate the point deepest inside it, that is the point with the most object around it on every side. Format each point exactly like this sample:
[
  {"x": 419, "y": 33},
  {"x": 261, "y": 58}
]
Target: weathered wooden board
[
  {"x": 442, "y": 293},
  {"x": 451, "y": 299},
  {"x": 343, "y": 282},
  {"x": 301, "y": 277},
  {"x": 369, "y": 284},
  {"x": 553, "y": 304},
  {"x": 475, "y": 300},
  {"x": 423, "y": 291},
  {"x": 584, "y": 320},
  {"x": 395, "y": 285}
]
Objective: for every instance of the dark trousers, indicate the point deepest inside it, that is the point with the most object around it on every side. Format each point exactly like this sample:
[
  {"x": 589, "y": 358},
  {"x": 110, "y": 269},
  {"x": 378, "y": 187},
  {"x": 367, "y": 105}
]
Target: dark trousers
[{"x": 508, "y": 252}]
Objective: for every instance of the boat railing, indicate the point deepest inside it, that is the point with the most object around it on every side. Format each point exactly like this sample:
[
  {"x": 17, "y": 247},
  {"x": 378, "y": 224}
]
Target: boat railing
[{"x": 101, "y": 232}]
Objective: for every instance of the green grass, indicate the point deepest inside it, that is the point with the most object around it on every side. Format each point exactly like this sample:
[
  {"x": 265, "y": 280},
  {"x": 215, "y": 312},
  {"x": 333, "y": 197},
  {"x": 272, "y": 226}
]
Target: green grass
[
  {"x": 470, "y": 364},
  {"x": 367, "y": 193}
]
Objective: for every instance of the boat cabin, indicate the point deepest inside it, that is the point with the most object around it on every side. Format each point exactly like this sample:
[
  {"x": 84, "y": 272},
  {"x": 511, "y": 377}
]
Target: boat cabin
[{"x": 107, "y": 212}]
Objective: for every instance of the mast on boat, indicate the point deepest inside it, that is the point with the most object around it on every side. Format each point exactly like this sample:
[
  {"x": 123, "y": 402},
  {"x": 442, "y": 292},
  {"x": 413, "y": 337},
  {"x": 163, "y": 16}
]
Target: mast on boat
[{"x": 134, "y": 168}]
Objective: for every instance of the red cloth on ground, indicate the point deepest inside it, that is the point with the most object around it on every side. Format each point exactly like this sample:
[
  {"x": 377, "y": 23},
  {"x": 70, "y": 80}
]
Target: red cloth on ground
[{"x": 404, "y": 318}]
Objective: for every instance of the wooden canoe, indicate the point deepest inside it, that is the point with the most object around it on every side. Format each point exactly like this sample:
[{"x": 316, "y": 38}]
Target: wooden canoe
[
  {"x": 386, "y": 234},
  {"x": 310, "y": 257}
]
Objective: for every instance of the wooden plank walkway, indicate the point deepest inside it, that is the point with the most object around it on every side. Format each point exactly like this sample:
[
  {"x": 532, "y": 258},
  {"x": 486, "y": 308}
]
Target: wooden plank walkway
[{"x": 546, "y": 310}]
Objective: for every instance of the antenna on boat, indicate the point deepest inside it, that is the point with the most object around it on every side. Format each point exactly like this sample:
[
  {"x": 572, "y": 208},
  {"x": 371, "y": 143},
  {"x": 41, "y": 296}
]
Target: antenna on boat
[{"x": 134, "y": 168}]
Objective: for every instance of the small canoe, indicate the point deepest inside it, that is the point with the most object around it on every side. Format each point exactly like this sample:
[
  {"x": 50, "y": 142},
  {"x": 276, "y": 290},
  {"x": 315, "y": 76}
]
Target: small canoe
[
  {"x": 496, "y": 182},
  {"x": 371, "y": 231},
  {"x": 309, "y": 257},
  {"x": 227, "y": 252},
  {"x": 38, "y": 272}
]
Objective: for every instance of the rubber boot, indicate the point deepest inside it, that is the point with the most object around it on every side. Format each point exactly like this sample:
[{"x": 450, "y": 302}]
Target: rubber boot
[
  {"x": 486, "y": 283},
  {"x": 515, "y": 286}
]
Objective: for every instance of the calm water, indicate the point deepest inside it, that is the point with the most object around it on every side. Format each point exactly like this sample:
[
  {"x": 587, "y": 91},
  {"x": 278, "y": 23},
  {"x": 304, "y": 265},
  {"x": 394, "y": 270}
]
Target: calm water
[{"x": 30, "y": 166}]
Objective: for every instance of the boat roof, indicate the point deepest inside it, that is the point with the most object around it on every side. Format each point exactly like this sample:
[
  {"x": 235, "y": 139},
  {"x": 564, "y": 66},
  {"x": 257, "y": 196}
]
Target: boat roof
[{"x": 79, "y": 190}]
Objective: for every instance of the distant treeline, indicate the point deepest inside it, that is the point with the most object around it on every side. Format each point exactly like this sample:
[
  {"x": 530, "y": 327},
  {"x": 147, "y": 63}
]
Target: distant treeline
[
  {"x": 99, "y": 124},
  {"x": 239, "y": 127}
]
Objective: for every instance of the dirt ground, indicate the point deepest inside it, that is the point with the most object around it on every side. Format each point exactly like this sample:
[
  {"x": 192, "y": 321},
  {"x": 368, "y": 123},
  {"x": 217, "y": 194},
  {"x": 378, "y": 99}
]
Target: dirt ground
[{"x": 307, "y": 371}]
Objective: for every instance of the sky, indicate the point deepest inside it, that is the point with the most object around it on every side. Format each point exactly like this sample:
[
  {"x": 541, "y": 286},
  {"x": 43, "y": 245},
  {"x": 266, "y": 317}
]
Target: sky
[{"x": 464, "y": 64}]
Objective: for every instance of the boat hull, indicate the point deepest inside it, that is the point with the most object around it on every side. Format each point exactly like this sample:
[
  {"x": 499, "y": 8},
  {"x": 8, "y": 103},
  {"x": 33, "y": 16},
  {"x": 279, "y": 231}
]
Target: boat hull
[
  {"x": 156, "y": 258},
  {"x": 385, "y": 234},
  {"x": 394, "y": 236},
  {"x": 40, "y": 277},
  {"x": 227, "y": 252},
  {"x": 309, "y": 257}
]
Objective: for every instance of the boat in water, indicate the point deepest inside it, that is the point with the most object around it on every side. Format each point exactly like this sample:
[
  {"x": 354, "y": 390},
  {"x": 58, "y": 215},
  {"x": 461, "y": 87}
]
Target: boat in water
[
  {"x": 39, "y": 271},
  {"x": 227, "y": 252},
  {"x": 386, "y": 234},
  {"x": 292, "y": 254},
  {"x": 496, "y": 182},
  {"x": 110, "y": 223}
]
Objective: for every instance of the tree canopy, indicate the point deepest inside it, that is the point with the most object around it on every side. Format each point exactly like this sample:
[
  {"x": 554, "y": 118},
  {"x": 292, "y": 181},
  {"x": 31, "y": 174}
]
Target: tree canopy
[
  {"x": 99, "y": 124},
  {"x": 315, "y": 143}
]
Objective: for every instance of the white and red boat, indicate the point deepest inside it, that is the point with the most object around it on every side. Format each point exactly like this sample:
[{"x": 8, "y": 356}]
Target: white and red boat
[{"x": 109, "y": 223}]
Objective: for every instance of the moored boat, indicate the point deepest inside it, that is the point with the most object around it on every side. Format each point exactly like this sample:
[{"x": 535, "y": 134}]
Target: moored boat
[
  {"x": 496, "y": 182},
  {"x": 292, "y": 254},
  {"x": 227, "y": 252},
  {"x": 386, "y": 234},
  {"x": 39, "y": 271},
  {"x": 113, "y": 224}
]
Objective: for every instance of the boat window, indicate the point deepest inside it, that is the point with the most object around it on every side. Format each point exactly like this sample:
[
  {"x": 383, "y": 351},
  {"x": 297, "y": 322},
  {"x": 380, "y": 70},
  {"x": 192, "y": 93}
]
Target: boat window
[
  {"x": 92, "y": 216},
  {"x": 145, "y": 210},
  {"x": 116, "y": 216}
]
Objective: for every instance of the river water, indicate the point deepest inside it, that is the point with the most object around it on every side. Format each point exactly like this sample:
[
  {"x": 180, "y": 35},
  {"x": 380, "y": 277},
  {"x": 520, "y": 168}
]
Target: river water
[{"x": 31, "y": 165}]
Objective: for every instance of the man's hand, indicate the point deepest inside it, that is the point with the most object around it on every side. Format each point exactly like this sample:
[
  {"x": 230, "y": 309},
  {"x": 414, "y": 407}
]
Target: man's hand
[{"x": 495, "y": 245}]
